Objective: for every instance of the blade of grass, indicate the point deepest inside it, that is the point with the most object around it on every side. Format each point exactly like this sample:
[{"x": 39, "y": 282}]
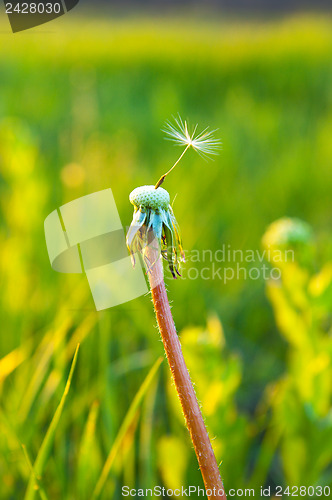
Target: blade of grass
[
  {"x": 47, "y": 443},
  {"x": 14, "y": 443},
  {"x": 14, "y": 359},
  {"x": 42, "y": 360},
  {"x": 265, "y": 457},
  {"x": 54, "y": 379},
  {"x": 124, "y": 428},
  {"x": 89, "y": 461},
  {"x": 38, "y": 485},
  {"x": 145, "y": 458}
]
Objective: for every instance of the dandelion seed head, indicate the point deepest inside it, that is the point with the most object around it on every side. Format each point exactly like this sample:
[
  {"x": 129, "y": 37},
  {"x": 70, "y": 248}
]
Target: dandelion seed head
[{"x": 149, "y": 197}]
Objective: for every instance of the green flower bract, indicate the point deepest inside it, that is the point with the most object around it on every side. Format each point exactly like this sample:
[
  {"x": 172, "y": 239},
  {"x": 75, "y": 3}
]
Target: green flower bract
[{"x": 154, "y": 220}]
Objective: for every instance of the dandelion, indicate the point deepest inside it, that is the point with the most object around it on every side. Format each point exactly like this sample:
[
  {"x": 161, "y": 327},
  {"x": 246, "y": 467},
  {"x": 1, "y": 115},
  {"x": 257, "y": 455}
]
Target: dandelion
[
  {"x": 154, "y": 220},
  {"x": 153, "y": 216}
]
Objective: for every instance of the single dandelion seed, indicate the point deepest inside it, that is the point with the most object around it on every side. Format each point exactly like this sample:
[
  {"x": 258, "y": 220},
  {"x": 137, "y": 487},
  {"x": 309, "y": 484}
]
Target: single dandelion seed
[{"x": 205, "y": 143}]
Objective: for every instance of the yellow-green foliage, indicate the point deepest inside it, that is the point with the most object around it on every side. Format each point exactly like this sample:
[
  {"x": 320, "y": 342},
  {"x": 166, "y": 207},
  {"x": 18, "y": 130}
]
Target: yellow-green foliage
[
  {"x": 301, "y": 400},
  {"x": 81, "y": 110}
]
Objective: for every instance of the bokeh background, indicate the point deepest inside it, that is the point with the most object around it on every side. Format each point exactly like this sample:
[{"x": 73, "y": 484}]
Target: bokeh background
[{"x": 83, "y": 101}]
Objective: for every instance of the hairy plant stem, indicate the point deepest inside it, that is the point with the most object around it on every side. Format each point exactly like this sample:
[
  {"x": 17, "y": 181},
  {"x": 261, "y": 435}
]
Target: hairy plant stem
[{"x": 195, "y": 423}]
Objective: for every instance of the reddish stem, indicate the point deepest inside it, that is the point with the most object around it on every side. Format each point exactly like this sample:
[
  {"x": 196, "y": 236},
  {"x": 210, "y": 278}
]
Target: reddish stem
[{"x": 195, "y": 423}]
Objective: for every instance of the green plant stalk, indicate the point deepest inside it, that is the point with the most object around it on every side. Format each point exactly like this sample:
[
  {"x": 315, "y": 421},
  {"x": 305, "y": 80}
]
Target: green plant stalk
[
  {"x": 45, "y": 449},
  {"x": 184, "y": 387}
]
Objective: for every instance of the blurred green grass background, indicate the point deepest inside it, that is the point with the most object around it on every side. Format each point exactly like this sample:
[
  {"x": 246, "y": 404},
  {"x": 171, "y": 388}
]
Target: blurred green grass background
[{"x": 82, "y": 107}]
